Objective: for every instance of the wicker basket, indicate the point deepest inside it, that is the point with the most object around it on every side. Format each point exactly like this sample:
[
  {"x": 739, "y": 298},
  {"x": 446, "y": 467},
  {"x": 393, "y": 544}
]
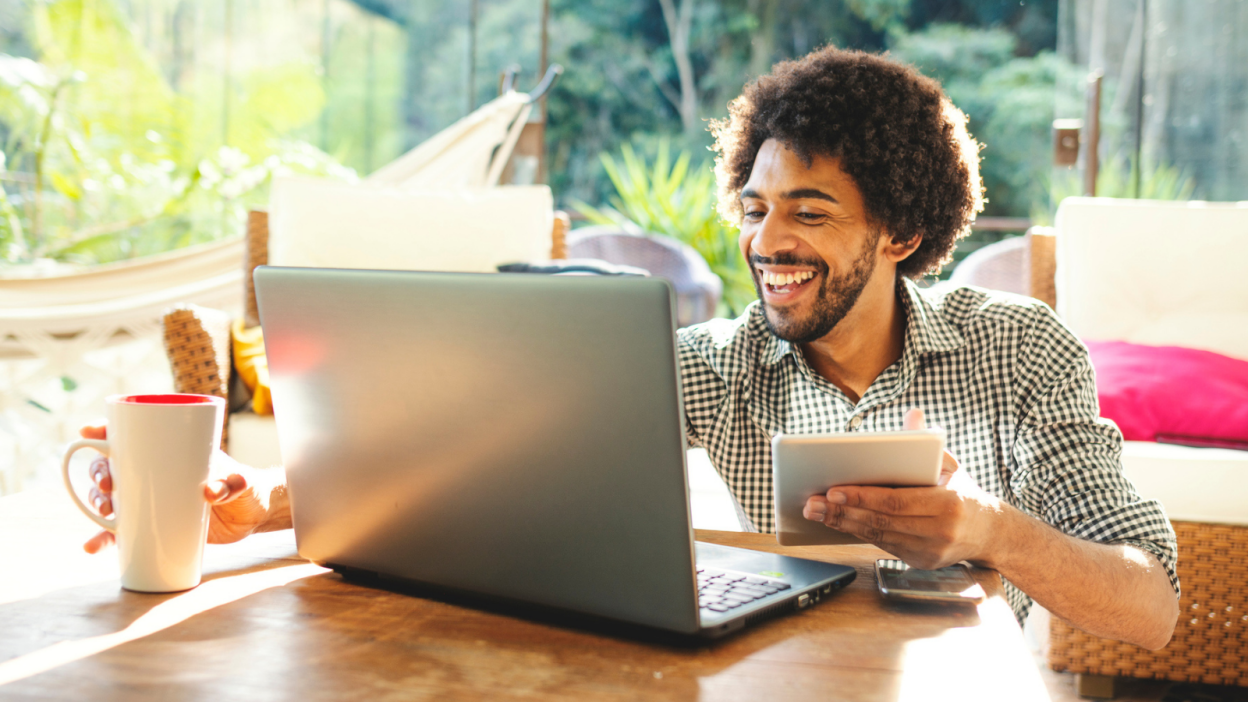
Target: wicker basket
[
  {"x": 197, "y": 341},
  {"x": 257, "y": 254},
  {"x": 1210, "y": 643}
]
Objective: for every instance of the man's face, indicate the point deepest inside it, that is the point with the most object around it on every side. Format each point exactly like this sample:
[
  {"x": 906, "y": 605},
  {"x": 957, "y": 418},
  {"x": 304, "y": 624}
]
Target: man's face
[{"x": 806, "y": 237}]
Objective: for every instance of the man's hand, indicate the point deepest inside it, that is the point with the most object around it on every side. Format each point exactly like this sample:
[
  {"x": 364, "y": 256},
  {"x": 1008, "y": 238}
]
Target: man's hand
[
  {"x": 926, "y": 527},
  {"x": 239, "y": 506}
]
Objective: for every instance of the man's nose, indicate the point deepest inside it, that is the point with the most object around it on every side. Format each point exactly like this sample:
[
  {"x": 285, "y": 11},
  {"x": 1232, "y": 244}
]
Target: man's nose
[{"x": 773, "y": 236}]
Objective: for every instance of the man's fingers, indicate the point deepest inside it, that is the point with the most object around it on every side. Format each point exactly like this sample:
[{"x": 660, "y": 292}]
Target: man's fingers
[
  {"x": 98, "y": 431},
  {"x": 913, "y": 501},
  {"x": 97, "y": 542},
  {"x": 855, "y": 520},
  {"x": 913, "y": 420},
  {"x": 816, "y": 508},
  {"x": 101, "y": 475},
  {"x": 878, "y": 531},
  {"x": 101, "y": 501},
  {"x": 222, "y": 491},
  {"x": 948, "y": 466}
]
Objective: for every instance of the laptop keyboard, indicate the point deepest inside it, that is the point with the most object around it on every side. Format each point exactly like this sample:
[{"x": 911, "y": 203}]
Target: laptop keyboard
[{"x": 722, "y": 590}]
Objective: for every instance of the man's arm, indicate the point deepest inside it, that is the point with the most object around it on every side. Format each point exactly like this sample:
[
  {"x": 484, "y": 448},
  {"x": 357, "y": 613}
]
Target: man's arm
[
  {"x": 1113, "y": 590},
  {"x": 1073, "y": 534}
]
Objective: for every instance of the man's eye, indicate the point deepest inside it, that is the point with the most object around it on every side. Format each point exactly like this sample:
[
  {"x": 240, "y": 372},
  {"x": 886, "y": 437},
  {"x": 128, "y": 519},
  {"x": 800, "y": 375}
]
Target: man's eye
[
  {"x": 810, "y": 216},
  {"x": 754, "y": 214}
]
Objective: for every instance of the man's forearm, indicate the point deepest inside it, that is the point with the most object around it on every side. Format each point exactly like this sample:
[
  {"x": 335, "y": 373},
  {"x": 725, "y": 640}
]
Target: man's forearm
[{"x": 1112, "y": 590}]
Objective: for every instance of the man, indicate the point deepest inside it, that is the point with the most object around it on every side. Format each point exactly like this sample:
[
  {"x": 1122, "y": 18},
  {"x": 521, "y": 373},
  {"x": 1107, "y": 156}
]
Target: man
[{"x": 852, "y": 175}]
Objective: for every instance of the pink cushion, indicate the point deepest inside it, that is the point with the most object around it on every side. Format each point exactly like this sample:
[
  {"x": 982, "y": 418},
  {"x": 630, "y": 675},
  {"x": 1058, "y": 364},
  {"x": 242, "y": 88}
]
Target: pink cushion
[{"x": 1171, "y": 392}]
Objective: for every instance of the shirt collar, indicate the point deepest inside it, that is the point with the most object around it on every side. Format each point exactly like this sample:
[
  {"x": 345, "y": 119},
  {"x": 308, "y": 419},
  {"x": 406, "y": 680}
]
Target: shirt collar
[
  {"x": 774, "y": 349},
  {"x": 927, "y": 331}
]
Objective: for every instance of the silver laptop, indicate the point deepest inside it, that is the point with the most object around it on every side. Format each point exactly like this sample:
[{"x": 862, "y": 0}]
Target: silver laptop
[{"x": 505, "y": 435}]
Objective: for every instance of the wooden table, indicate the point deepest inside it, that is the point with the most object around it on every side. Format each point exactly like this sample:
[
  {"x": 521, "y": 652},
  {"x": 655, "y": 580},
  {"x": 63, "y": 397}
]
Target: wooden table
[{"x": 266, "y": 625}]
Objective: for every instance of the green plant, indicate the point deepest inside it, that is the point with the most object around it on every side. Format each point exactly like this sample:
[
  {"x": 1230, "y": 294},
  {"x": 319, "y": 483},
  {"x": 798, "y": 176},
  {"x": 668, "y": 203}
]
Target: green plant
[
  {"x": 1009, "y": 99},
  {"x": 1116, "y": 178},
  {"x": 678, "y": 200},
  {"x": 107, "y": 159}
]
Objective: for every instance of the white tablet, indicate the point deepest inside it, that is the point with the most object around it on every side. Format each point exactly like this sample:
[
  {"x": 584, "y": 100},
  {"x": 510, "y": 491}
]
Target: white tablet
[{"x": 809, "y": 464}]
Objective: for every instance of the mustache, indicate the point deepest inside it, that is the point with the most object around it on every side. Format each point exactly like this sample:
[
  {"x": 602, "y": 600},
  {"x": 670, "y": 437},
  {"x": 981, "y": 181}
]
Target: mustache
[{"x": 784, "y": 259}]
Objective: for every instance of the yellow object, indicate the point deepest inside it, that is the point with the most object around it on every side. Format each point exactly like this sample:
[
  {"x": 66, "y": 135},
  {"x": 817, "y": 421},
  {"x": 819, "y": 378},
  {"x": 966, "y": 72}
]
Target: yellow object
[{"x": 252, "y": 365}]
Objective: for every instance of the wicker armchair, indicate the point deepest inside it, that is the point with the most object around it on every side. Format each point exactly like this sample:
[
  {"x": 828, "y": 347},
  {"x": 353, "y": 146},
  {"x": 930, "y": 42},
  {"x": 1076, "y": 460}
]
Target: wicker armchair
[
  {"x": 998, "y": 266},
  {"x": 1210, "y": 643},
  {"x": 197, "y": 339},
  {"x": 698, "y": 289}
]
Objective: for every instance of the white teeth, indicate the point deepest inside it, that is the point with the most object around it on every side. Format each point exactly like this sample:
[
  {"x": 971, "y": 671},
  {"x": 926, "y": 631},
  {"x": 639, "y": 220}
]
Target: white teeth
[{"x": 782, "y": 279}]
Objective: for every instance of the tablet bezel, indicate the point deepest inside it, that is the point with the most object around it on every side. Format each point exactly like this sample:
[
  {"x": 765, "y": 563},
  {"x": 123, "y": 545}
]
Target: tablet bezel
[{"x": 808, "y": 464}]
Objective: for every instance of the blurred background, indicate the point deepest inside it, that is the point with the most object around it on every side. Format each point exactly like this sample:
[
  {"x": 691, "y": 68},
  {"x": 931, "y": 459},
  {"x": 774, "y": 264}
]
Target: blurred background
[
  {"x": 134, "y": 128},
  {"x": 131, "y": 127}
]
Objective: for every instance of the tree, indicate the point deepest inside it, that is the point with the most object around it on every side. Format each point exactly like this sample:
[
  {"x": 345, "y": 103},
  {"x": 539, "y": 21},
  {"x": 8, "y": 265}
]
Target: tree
[{"x": 679, "y": 20}]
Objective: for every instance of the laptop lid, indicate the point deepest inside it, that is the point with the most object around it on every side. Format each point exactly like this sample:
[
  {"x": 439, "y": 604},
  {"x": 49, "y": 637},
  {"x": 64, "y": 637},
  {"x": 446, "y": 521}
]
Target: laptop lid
[{"x": 510, "y": 435}]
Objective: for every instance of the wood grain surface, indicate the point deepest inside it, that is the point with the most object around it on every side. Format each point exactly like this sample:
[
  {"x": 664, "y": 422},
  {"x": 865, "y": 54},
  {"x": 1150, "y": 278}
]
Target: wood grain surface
[{"x": 266, "y": 625}]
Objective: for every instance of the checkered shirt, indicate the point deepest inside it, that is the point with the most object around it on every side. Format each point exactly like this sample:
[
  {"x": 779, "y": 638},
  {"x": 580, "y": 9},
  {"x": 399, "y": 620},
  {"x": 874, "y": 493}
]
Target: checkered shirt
[{"x": 1011, "y": 386}]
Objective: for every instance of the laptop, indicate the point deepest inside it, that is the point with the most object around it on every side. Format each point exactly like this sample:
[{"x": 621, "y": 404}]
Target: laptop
[{"x": 512, "y": 436}]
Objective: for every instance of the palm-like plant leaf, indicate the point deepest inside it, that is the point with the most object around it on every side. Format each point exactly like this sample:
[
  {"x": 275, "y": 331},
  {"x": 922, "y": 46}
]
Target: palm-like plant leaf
[{"x": 676, "y": 199}]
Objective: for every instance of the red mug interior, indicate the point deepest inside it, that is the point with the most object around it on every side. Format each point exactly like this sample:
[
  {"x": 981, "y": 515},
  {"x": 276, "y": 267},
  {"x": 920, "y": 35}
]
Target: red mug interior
[{"x": 170, "y": 399}]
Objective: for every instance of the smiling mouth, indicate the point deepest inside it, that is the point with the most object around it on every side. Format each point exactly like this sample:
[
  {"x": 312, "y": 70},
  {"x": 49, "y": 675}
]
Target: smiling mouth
[{"x": 785, "y": 283}]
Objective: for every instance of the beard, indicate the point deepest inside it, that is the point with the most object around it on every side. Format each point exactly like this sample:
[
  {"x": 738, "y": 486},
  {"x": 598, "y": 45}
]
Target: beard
[{"x": 833, "y": 300}]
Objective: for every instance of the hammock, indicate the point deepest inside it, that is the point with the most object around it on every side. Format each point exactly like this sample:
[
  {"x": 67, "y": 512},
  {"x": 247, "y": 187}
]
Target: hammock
[
  {"x": 470, "y": 153},
  {"x": 69, "y": 339}
]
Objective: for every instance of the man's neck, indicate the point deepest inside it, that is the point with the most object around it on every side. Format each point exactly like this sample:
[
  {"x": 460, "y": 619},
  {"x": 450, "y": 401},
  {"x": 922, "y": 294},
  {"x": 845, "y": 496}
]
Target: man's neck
[{"x": 864, "y": 343}]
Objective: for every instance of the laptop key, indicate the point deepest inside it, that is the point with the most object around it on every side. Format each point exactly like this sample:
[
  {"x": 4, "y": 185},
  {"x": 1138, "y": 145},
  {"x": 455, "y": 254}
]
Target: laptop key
[
  {"x": 754, "y": 581},
  {"x": 780, "y": 585},
  {"x": 718, "y": 608}
]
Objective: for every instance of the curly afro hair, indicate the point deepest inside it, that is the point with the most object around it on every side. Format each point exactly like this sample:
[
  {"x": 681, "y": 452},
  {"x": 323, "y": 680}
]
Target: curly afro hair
[{"x": 893, "y": 130}]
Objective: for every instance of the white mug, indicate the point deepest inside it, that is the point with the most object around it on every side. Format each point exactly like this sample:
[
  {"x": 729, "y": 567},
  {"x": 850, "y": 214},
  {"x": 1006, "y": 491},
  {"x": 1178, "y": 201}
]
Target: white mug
[{"x": 159, "y": 448}]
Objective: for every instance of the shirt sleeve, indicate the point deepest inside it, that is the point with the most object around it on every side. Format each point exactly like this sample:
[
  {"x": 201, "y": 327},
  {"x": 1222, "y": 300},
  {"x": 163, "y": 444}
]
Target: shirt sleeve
[
  {"x": 702, "y": 388},
  {"x": 1069, "y": 459}
]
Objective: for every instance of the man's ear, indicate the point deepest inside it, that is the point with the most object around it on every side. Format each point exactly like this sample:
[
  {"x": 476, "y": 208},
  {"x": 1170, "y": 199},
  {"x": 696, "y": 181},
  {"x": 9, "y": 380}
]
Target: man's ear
[{"x": 897, "y": 250}]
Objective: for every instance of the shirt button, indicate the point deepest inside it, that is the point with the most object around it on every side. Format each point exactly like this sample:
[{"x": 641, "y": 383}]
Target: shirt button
[{"x": 855, "y": 422}]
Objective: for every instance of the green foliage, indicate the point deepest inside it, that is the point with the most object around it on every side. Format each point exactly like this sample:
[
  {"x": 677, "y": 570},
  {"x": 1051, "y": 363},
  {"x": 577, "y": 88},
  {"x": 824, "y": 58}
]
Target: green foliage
[
  {"x": 361, "y": 122},
  {"x": 676, "y": 199},
  {"x": 106, "y": 160},
  {"x": 12, "y": 237},
  {"x": 1117, "y": 178},
  {"x": 1009, "y": 100},
  {"x": 881, "y": 14}
]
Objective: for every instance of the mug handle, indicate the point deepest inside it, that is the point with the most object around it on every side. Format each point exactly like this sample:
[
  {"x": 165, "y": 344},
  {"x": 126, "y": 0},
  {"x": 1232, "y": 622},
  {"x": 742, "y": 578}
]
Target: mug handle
[{"x": 102, "y": 447}]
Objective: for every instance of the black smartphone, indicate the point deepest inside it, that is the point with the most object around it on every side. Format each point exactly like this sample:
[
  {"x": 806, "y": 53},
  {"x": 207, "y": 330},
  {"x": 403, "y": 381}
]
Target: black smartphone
[{"x": 952, "y": 584}]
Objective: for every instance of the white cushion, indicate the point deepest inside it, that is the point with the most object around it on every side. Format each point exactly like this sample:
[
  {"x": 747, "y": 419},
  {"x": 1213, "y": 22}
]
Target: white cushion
[
  {"x": 1157, "y": 273},
  {"x": 1194, "y": 484},
  {"x": 328, "y": 224}
]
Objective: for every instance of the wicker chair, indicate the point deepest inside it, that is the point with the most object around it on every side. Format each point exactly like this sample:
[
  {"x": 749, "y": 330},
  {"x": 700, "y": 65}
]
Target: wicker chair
[
  {"x": 698, "y": 289},
  {"x": 998, "y": 266},
  {"x": 197, "y": 339},
  {"x": 1210, "y": 643}
]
